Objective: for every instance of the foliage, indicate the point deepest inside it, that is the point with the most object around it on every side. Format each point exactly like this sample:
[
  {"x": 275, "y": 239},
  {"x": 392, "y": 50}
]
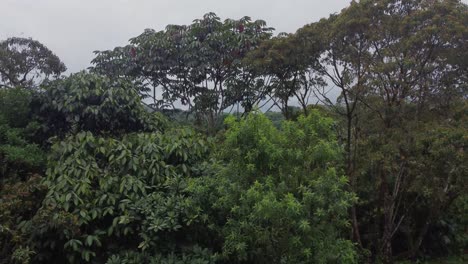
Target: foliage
[
  {"x": 24, "y": 61},
  {"x": 20, "y": 162},
  {"x": 197, "y": 65},
  {"x": 15, "y": 107},
  {"x": 111, "y": 190},
  {"x": 289, "y": 67},
  {"x": 196, "y": 256},
  {"x": 280, "y": 198},
  {"x": 123, "y": 184},
  {"x": 95, "y": 103},
  {"x": 19, "y": 203},
  {"x": 17, "y": 154},
  {"x": 17, "y": 129},
  {"x": 449, "y": 260},
  {"x": 392, "y": 62}
]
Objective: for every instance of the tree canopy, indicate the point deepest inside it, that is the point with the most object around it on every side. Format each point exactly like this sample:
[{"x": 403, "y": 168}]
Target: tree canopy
[
  {"x": 26, "y": 62},
  {"x": 160, "y": 152}
]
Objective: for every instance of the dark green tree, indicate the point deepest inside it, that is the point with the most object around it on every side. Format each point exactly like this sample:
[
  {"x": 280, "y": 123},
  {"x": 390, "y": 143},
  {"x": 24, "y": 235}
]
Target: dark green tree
[
  {"x": 288, "y": 64},
  {"x": 95, "y": 103},
  {"x": 111, "y": 196},
  {"x": 26, "y": 62},
  {"x": 394, "y": 63},
  {"x": 196, "y": 66},
  {"x": 22, "y": 161}
]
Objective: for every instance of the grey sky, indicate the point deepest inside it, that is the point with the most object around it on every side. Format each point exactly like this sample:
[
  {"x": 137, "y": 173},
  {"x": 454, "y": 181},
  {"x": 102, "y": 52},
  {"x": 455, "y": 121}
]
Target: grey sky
[{"x": 73, "y": 29}]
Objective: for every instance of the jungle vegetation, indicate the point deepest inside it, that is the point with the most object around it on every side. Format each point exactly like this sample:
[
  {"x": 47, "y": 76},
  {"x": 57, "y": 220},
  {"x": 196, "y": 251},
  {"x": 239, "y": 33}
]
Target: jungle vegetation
[{"x": 168, "y": 149}]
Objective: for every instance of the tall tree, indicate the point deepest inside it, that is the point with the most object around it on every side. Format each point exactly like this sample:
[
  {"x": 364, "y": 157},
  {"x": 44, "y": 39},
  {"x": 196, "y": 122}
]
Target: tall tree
[
  {"x": 394, "y": 63},
  {"x": 412, "y": 81},
  {"x": 191, "y": 65},
  {"x": 341, "y": 40},
  {"x": 26, "y": 62},
  {"x": 288, "y": 63}
]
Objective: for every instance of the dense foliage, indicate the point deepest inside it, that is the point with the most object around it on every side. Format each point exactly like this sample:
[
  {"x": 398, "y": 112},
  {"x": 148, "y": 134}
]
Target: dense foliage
[
  {"x": 279, "y": 194},
  {"x": 95, "y": 103},
  {"x": 101, "y": 167}
]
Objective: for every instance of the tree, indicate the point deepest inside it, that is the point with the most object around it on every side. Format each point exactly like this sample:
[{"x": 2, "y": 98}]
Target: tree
[
  {"x": 27, "y": 62},
  {"x": 19, "y": 155},
  {"x": 108, "y": 150},
  {"x": 341, "y": 41},
  {"x": 195, "y": 65},
  {"x": 278, "y": 197},
  {"x": 393, "y": 62},
  {"x": 22, "y": 161},
  {"x": 410, "y": 77},
  {"x": 96, "y": 103},
  {"x": 287, "y": 62},
  {"x": 123, "y": 185},
  {"x": 110, "y": 196}
]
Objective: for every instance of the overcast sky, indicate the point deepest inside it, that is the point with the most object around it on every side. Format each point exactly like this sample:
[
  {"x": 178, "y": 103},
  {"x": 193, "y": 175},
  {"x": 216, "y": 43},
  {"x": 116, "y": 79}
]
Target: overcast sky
[{"x": 73, "y": 29}]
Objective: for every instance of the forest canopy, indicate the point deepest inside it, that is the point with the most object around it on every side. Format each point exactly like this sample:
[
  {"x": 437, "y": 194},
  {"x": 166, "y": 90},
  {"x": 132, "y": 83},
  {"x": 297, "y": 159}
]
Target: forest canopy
[{"x": 221, "y": 142}]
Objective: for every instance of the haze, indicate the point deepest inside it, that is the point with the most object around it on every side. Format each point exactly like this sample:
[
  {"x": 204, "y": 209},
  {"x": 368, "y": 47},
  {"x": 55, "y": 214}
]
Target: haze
[{"x": 74, "y": 29}]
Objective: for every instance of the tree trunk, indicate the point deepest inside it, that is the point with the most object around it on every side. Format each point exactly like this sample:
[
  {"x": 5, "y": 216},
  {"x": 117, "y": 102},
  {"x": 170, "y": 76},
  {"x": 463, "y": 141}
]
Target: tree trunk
[
  {"x": 356, "y": 237},
  {"x": 387, "y": 200},
  {"x": 386, "y": 252}
]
